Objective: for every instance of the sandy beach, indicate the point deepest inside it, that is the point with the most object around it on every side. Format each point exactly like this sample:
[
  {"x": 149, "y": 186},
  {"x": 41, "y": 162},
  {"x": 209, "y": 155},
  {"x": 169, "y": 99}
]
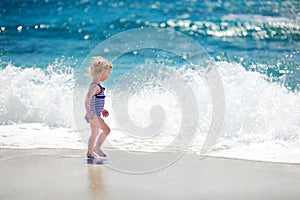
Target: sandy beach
[{"x": 65, "y": 174}]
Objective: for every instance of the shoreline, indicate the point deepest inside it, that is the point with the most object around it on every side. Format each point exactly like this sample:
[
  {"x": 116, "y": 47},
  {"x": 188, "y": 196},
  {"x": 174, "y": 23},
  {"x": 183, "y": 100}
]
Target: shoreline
[
  {"x": 115, "y": 150},
  {"x": 65, "y": 174}
]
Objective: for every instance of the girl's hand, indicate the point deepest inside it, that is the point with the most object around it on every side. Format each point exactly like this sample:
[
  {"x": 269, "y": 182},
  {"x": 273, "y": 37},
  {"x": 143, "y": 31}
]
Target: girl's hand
[{"x": 105, "y": 113}]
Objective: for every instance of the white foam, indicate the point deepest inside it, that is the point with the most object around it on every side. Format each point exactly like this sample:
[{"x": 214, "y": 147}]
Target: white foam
[
  {"x": 269, "y": 150},
  {"x": 262, "y": 118},
  {"x": 255, "y": 18},
  {"x": 256, "y": 106},
  {"x": 36, "y": 135},
  {"x": 33, "y": 95}
]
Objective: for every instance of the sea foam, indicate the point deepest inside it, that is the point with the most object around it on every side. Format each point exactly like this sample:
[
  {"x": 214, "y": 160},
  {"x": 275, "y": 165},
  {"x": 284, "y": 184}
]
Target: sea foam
[{"x": 260, "y": 115}]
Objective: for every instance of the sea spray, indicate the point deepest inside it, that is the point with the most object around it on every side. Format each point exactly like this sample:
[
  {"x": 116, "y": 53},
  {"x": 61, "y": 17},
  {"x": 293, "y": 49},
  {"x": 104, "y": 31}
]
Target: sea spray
[
  {"x": 258, "y": 111},
  {"x": 34, "y": 95}
]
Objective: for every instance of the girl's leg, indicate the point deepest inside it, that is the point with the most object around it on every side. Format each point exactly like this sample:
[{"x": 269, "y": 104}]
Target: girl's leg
[
  {"x": 106, "y": 130},
  {"x": 92, "y": 139}
]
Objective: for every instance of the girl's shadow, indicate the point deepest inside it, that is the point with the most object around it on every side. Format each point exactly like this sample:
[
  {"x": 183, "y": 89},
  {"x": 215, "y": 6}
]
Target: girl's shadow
[{"x": 95, "y": 161}]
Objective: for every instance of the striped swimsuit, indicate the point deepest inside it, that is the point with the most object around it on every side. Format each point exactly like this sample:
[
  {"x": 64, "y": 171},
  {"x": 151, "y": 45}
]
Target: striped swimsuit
[{"x": 97, "y": 103}]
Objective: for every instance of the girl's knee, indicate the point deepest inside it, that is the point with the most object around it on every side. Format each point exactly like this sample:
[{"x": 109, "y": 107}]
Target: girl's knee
[{"x": 107, "y": 131}]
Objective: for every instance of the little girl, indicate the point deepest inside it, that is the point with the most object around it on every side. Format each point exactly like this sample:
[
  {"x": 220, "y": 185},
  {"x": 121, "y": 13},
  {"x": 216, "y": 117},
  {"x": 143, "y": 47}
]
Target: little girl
[{"x": 94, "y": 104}]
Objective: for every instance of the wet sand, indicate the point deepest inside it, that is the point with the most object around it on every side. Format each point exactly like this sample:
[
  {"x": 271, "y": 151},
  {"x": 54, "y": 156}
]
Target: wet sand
[{"x": 66, "y": 174}]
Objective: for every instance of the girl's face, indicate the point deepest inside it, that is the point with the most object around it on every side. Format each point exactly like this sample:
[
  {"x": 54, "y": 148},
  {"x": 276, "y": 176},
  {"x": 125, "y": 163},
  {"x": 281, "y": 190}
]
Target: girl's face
[{"x": 104, "y": 76}]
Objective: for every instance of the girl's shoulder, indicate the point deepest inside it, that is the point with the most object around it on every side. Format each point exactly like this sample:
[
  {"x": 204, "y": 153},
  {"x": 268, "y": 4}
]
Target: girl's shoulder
[{"x": 96, "y": 86}]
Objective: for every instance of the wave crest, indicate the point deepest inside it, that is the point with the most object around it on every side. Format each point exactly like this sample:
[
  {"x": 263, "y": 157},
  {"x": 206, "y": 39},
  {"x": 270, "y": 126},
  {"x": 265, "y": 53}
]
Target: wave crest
[{"x": 34, "y": 95}]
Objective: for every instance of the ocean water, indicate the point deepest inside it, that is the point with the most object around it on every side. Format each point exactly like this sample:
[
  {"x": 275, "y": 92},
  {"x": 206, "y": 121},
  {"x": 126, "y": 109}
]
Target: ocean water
[{"x": 255, "y": 45}]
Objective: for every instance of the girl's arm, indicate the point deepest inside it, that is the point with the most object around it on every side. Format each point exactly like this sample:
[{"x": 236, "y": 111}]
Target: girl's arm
[{"x": 92, "y": 91}]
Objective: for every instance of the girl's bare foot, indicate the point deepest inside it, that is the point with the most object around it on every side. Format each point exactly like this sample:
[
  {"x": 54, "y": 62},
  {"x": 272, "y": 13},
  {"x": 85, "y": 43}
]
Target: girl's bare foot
[
  {"x": 99, "y": 153},
  {"x": 90, "y": 155}
]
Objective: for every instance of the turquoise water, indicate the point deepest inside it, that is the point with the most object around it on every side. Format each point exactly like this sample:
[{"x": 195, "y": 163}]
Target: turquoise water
[{"x": 262, "y": 36}]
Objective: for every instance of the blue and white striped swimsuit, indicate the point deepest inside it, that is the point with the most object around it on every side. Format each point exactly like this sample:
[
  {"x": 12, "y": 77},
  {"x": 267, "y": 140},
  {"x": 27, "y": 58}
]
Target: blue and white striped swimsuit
[{"x": 97, "y": 103}]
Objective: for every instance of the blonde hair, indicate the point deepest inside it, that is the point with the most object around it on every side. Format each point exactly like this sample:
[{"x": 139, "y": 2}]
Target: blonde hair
[{"x": 99, "y": 66}]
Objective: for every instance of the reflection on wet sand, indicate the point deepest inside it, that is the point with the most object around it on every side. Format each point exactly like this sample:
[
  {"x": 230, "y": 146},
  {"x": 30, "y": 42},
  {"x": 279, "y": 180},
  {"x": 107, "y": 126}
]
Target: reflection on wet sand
[{"x": 97, "y": 189}]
